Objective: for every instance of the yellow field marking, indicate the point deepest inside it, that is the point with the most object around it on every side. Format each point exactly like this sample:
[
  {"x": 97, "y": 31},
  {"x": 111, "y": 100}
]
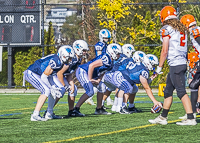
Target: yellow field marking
[
  {"x": 109, "y": 133},
  {"x": 170, "y": 112},
  {"x": 15, "y": 98}
]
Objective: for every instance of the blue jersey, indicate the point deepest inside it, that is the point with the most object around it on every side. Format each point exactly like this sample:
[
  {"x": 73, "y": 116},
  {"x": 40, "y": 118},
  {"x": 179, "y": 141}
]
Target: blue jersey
[
  {"x": 121, "y": 63},
  {"x": 98, "y": 71},
  {"x": 73, "y": 65},
  {"x": 100, "y": 46},
  {"x": 40, "y": 65},
  {"x": 133, "y": 72}
]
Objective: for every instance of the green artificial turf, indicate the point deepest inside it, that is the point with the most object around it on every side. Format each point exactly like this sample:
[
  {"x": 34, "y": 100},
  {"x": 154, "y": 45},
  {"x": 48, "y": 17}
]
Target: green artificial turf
[{"x": 15, "y": 124}]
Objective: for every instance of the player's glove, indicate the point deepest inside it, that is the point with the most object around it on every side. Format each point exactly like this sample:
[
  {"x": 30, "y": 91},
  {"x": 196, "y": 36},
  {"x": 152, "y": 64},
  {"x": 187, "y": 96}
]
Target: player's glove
[
  {"x": 158, "y": 70},
  {"x": 55, "y": 92}
]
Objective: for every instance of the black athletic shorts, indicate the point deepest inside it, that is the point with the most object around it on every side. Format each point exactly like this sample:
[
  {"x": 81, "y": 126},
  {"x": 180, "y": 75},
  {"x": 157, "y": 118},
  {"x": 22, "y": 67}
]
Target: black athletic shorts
[{"x": 176, "y": 80}]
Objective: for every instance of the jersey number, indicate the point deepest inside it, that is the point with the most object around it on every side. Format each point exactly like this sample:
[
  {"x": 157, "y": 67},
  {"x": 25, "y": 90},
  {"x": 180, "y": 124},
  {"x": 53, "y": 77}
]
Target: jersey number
[
  {"x": 182, "y": 39},
  {"x": 195, "y": 33}
]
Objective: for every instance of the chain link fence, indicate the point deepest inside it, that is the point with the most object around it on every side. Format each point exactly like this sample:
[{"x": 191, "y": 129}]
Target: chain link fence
[{"x": 24, "y": 26}]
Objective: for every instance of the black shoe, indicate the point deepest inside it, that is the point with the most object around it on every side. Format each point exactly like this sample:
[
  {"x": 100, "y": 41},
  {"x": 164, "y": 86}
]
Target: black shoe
[
  {"x": 70, "y": 112},
  {"x": 76, "y": 113},
  {"x": 104, "y": 107},
  {"x": 134, "y": 110},
  {"x": 101, "y": 111},
  {"x": 124, "y": 110}
]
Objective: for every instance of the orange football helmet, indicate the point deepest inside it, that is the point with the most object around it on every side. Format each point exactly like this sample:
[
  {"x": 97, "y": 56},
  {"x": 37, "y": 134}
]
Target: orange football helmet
[
  {"x": 188, "y": 20},
  {"x": 192, "y": 58},
  {"x": 168, "y": 12}
]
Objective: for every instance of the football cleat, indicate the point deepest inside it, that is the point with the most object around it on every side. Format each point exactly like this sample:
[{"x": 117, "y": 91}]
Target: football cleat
[
  {"x": 159, "y": 120},
  {"x": 124, "y": 110},
  {"x": 185, "y": 116},
  {"x": 104, "y": 107},
  {"x": 37, "y": 118},
  {"x": 110, "y": 102},
  {"x": 187, "y": 122},
  {"x": 134, "y": 110},
  {"x": 113, "y": 108},
  {"x": 101, "y": 111},
  {"x": 77, "y": 113}
]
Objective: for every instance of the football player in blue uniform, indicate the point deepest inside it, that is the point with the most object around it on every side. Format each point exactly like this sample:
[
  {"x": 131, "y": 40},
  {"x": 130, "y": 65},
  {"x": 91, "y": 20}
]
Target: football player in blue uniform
[
  {"x": 90, "y": 75},
  {"x": 100, "y": 48},
  {"x": 64, "y": 79},
  {"x": 38, "y": 75},
  {"x": 125, "y": 80},
  {"x": 120, "y": 64}
]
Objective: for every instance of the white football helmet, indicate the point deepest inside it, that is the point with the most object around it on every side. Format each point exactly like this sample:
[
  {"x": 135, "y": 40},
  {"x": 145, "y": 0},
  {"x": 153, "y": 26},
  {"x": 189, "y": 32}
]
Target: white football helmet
[
  {"x": 114, "y": 49},
  {"x": 128, "y": 49},
  {"x": 65, "y": 52},
  {"x": 104, "y": 33},
  {"x": 138, "y": 56},
  {"x": 79, "y": 46},
  {"x": 146, "y": 62},
  {"x": 153, "y": 59}
]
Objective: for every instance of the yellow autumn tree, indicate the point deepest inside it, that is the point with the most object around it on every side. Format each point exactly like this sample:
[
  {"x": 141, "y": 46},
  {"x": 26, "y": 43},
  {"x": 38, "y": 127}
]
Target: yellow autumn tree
[{"x": 111, "y": 12}]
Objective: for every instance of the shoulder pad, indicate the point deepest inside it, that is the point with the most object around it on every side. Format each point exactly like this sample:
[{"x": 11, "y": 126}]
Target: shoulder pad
[{"x": 166, "y": 31}]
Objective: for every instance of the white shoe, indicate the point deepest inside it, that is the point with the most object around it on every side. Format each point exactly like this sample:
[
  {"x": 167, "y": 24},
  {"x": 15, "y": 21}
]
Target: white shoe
[
  {"x": 52, "y": 116},
  {"x": 90, "y": 101},
  {"x": 159, "y": 120},
  {"x": 185, "y": 116},
  {"x": 187, "y": 122},
  {"x": 110, "y": 102},
  {"x": 37, "y": 118},
  {"x": 117, "y": 109},
  {"x": 113, "y": 108}
]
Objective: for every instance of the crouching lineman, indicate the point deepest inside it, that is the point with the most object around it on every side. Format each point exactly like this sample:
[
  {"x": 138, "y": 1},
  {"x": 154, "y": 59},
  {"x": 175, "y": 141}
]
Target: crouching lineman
[
  {"x": 125, "y": 80},
  {"x": 90, "y": 75},
  {"x": 38, "y": 75},
  {"x": 120, "y": 64},
  {"x": 64, "y": 79}
]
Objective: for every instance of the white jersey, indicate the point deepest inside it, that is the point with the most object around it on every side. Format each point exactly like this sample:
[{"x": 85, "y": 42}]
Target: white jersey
[
  {"x": 177, "y": 45},
  {"x": 195, "y": 32}
]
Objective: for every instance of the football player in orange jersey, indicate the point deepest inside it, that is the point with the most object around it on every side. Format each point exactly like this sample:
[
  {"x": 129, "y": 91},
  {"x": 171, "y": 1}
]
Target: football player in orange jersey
[
  {"x": 189, "y": 21},
  {"x": 174, "y": 49}
]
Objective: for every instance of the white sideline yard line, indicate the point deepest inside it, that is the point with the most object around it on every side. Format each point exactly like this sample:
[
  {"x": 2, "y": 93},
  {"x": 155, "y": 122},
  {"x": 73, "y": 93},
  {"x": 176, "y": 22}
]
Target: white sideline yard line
[{"x": 109, "y": 133}]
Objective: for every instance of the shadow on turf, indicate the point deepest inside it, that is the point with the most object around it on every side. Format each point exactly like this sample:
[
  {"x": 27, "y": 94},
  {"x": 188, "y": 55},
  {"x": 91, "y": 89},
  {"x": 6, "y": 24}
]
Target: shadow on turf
[{"x": 9, "y": 118}]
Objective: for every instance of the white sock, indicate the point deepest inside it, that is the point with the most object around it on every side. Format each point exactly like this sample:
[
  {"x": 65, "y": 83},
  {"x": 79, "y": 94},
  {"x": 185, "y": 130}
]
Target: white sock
[
  {"x": 131, "y": 105},
  {"x": 103, "y": 102},
  {"x": 108, "y": 98},
  {"x": 36, "y": 112},
  {"x": 120, "y": 100},
  {"x": 51, "y": 103},
  {"x": 115, "y": 101}
]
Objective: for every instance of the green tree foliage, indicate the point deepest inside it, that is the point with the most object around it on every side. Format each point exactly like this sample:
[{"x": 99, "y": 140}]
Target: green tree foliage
[
  {"x": 4, "y": 73},
  {"x": 71, "y": 29},
  {"x": 25, "y": 59}
]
